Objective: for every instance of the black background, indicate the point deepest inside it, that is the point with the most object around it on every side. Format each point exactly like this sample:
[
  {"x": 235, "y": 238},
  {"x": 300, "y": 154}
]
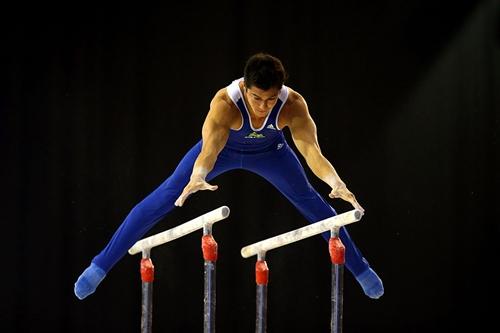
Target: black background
[{"x": 99, "y": 103}]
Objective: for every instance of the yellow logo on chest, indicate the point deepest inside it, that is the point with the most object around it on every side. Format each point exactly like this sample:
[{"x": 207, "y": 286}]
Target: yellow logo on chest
[{"x": 254, "y": 135}]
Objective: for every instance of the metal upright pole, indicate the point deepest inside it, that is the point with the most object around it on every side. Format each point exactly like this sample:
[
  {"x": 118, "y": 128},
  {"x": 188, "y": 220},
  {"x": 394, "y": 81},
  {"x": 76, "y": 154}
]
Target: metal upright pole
[
  {"x": 261, "y": 279},
  {"x": 209, "y": 248},
  {"x": 337, "y": 255},
  {"x": 147, "y": 277}
]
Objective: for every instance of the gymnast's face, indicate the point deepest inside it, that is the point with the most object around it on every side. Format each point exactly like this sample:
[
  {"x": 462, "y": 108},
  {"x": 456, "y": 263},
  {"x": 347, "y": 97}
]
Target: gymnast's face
[{"x": 261, "y": 101}]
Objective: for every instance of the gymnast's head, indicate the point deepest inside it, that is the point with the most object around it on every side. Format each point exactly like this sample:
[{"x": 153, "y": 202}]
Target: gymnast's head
[{"x": 265, "y": 72}]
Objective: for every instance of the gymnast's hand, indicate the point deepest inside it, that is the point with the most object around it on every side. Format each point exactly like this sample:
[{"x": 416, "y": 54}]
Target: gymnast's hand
[
  {"x": 339, "y": 190},
  {"x": 195, "y": 184}
]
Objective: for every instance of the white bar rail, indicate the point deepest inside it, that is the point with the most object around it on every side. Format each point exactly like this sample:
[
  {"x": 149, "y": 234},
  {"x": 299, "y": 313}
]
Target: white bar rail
[
  {"x": 169, "y": 235},
  {"x": 301, "y": 233}
]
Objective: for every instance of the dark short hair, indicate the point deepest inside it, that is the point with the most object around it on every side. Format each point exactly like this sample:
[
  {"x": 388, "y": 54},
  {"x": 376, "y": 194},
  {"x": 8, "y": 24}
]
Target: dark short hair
[{"x": 264, "y": 71}]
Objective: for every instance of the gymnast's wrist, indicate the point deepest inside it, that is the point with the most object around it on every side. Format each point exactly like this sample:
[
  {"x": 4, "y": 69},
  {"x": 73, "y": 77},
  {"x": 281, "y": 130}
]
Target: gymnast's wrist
[
  {"x": 199, "y": 173},
  {"x": 334, "y": 181}
]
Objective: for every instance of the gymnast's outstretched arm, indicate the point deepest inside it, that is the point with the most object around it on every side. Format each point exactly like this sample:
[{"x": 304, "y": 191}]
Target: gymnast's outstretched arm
[
  {"x": 304, "y": 135},
  {"x": 215, "y": 132}
]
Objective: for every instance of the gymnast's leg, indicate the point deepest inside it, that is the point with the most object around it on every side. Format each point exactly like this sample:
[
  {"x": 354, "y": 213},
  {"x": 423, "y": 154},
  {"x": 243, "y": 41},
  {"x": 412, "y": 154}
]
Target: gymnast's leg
[
  {"x": 141, "y": 219},
  {"x": 283, "y": 169}
]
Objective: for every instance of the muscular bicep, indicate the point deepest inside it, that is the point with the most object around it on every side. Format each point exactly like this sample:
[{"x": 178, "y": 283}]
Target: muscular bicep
[
  {"x": 215, "y": 130},
  {"x": 214, "y": 135},
  {"x": 303, "y": 131}
]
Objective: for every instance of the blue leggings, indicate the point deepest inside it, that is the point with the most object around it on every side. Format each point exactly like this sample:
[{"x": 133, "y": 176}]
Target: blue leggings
[{"x": 280, "y": 167}]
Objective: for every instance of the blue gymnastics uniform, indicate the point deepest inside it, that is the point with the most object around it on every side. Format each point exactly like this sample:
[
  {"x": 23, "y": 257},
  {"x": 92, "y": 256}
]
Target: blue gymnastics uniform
[{"x": 263, "y": 151}]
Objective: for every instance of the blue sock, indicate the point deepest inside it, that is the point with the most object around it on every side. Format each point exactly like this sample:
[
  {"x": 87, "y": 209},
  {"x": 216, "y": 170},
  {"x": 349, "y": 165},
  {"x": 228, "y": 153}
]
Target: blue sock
[
  {"x": 371, "y": 283},
  {"x": 88, "y": 281}
]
